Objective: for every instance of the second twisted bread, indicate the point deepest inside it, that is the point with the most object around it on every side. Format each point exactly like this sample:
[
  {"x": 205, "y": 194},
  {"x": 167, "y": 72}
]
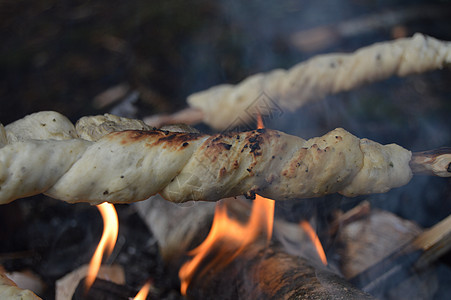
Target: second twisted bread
[{"x": 226, "y": 104}]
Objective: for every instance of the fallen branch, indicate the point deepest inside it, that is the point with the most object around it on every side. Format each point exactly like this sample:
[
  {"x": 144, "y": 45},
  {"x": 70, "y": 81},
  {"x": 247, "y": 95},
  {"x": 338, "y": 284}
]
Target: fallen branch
[
  {"x": 433, "y": 243},
  {"x": 413, "y": 257}
]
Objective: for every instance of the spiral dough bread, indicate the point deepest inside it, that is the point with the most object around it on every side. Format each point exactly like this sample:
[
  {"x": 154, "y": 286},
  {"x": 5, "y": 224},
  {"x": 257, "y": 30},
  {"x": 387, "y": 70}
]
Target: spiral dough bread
[
  {"x": 281, "y": 90},
  {"x": 131, "y": 165}
]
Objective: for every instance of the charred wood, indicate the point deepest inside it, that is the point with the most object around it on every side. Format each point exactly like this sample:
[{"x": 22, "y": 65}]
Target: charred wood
[
  {"x": 103, "y": 290},
  {"x": 270, "y": 273}
]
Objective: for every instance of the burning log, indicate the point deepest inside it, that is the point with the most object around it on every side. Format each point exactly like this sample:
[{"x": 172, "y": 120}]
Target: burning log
[
  {"x": 132, "y": 165},
  {"x": 316, "y": 78},
  {"x": 270, "y": 273},
  {"x": 259, "y": 272}
]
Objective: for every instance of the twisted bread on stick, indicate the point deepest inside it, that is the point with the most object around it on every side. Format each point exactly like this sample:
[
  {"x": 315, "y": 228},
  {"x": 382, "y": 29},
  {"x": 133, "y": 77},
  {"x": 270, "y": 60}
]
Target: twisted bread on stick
[
  {"x": 322, "y": 75},
  {"x": 132, "y": 165}
]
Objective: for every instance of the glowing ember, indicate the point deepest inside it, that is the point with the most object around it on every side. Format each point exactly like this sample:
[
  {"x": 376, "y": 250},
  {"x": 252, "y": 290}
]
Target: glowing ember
[
  {"x": 107, "y": 242},
  {"x": 142, "y": 294},
  {"x": 225, "y": 230},
  {"x": 316, "y": 242}
]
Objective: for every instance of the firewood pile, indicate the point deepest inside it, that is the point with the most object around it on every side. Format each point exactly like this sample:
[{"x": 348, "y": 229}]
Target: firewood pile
[{"x": 192, "y": 196}]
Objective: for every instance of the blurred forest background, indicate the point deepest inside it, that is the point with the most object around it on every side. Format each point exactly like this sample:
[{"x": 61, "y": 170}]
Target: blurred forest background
[{"x": 61, "y": 55}]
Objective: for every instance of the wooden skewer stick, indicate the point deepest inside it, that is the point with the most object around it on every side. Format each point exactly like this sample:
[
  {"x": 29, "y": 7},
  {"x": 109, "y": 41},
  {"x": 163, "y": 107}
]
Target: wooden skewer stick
[
  {"x": 189, "y": 116},
  {"x": 433, "y": 162},
  {"x": 361, "y": 210}
]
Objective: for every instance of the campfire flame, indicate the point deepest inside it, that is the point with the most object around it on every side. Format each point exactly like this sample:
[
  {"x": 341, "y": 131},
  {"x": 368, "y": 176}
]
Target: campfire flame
[
  {"x": 226, "y": 230},
  {"x": 315, "y": 240},
  {"x": 230, "y": 232},
  {"x": 260, "y": 124},
  {"x": 142, "y": 294},
  {"x": 107, "y": 242}
]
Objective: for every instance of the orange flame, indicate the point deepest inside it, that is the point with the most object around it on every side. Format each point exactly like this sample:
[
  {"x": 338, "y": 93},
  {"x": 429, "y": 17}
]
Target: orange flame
[
  {"x": 229, "y": 231},
  {"x": 260, "y": 124},
  {"x": 142, "y": 294},
  {"x": 232, "y": 232},
  {"x": 315, "y": 240},
  {"x": 263, "y": 207},
  {"x": 267, "y": 206},
  {"x": 107, "y": 242}
]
